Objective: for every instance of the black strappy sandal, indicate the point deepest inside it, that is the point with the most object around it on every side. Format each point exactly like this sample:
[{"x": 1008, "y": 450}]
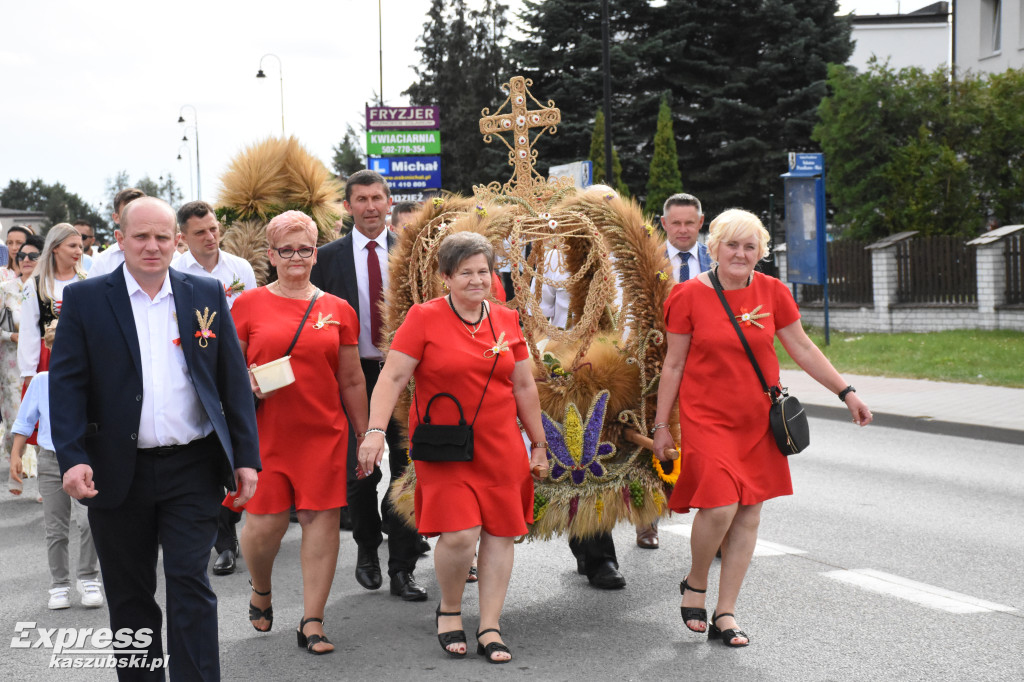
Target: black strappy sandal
[
  {"x": 310, "y": 641},
  {"x": 452, "y": 636},
  {"x": 492, "y": 648},
  {"x": 726, "y": 635},
  {"x": 692, "y": 612},
  {"x": 256, "y": 613}
]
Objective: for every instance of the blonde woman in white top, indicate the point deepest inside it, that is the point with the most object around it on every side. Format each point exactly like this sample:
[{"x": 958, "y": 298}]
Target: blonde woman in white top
[{"x": 59, "y": 266}]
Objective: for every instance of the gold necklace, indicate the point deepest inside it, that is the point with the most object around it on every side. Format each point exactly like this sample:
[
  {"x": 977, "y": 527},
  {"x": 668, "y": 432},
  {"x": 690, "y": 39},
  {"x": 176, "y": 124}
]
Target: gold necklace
[
  {"x": 283, "y": 292},
  {"x": 471, "y": 327}
]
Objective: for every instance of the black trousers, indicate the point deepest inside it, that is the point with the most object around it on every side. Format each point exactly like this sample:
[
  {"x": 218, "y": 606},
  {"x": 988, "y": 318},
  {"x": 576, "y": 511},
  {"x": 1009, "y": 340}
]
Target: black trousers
[
  {"x": 362, "y": 495},
  {"x": 227, "y": 537},
  {"x": 173, "y": 502},
  {"x": 594, "y": 551}
]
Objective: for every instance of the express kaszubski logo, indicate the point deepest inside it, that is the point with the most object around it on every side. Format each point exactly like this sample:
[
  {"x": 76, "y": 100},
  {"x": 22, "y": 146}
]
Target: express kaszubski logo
[{"x": 89, "y": 647}]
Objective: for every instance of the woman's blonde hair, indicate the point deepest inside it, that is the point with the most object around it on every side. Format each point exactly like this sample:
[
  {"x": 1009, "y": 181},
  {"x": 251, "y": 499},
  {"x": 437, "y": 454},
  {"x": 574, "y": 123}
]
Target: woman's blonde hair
[
  {"x": 44, "y": 274},
  {"x": 735, "y": 223}
]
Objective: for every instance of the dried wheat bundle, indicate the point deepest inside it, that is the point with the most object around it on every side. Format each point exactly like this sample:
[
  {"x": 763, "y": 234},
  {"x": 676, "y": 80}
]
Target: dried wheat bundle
[{"x": 248, "y": 239}]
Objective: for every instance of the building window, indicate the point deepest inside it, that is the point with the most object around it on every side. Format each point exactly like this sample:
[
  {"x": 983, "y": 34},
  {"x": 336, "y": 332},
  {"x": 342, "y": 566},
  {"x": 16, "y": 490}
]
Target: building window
[{"x": 991, "y": 26}]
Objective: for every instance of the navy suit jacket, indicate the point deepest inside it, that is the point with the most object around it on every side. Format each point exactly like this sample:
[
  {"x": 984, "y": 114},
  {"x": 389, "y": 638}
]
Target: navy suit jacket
[
  {"x": 96, "y": 380},
  {"x": 335, "y": 269}
]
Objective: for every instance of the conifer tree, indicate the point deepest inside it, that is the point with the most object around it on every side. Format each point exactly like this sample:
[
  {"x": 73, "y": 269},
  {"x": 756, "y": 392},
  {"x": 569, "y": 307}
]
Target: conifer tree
[
  {"x": 597, "y": 157},
  {"x": 664, "y": 178},
  {"x": 461, "y": 69}
]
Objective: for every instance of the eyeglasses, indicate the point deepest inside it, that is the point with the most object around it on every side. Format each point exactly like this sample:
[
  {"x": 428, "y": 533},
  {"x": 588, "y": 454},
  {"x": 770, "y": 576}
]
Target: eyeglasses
[
  {"x": 287, "y": 253},
  {"x": 34, "y": 256}
]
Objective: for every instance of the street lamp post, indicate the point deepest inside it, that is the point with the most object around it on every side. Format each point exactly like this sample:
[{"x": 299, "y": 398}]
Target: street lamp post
[
  {"x": 188, "y": 154},
  {"x": 280, "y": 71},
  {"x": 195, "y": 119}
]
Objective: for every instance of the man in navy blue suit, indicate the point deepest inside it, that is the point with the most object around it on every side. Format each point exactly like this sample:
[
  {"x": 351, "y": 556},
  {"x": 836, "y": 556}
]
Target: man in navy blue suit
[
  {"x": 356, "y": 268},
  {"x": 153, "y": 419}
]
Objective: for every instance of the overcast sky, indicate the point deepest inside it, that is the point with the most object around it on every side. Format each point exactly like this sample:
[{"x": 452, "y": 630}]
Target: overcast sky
[{"x": 86, "y": 92}]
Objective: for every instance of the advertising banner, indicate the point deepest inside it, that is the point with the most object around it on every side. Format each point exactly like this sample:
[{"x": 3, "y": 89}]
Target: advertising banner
[
  {"x": 402, "y": 118},
  {"x": 407, "y": 173},
  {"x": 400, "y": 142}
]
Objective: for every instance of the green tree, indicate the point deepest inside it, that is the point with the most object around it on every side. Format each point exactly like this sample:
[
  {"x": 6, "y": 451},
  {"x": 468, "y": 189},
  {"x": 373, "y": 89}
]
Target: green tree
[
  {"x": 163, "y": 188},
  {"x": 598, "y": 158},
  {"x": 460, "y": 71},
  {"x": 561, "y": 53},
  {"x": 348, "y": 155},
  {"x": 664, "y": 178},
  {"x": 912, "y": 150},
  {"x": 747, "y": 77},
  {"x": 59, "y": 205}
]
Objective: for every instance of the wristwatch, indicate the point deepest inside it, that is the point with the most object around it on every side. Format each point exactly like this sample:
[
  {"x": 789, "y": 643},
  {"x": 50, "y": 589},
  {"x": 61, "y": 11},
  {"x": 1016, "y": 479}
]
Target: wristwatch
[{"x": 846, "y": 391}]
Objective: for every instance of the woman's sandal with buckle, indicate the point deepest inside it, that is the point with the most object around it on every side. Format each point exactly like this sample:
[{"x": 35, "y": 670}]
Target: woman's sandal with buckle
[
  {"x": 256, "y": 613},
  {"x": 727, "y": 635},
  {"x": 310, "y": 641},
  {"x": 452, "y": 636},
  {"x": 489, "y": 650},
  {"x": 692, "y": 612}
]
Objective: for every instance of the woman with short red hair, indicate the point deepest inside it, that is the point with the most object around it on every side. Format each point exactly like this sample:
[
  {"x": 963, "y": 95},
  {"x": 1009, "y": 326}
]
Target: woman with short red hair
[{"x": 302, "y": 427}]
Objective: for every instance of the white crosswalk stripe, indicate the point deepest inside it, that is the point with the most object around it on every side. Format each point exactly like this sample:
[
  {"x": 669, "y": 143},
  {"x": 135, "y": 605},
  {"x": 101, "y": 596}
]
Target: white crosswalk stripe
[{"x": 919, "y": 593}]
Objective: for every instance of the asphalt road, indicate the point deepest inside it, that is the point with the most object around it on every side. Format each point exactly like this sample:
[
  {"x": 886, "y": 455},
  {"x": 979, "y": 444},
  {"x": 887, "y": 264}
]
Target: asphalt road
[{"x": 898, "y": 558}]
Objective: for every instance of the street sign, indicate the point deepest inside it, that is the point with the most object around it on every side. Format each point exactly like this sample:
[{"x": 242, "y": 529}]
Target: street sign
[
  {"x": 396, "y": 142},
  {"x": 806, "y": 237},
  {"x": 581, "y": 172},
  {"x": 402, "y": 118},
  {"x": 407, "y": 173},
  {"x": 806, "y": 164}
]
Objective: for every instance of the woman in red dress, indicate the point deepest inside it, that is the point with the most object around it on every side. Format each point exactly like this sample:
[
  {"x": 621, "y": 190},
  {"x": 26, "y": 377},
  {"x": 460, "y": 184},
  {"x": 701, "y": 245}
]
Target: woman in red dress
[
  {"x": 303, "y": 431},
  {"x": 462, "y": 345},
  {"x": 731, "y": 463}
]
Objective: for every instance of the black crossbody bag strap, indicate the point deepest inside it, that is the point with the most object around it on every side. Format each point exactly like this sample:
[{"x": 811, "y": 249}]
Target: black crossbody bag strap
[
  {"x": 493, "y": 367},
  {"x": 302, "y": 324},
  {"x": 713, "y": 276}
]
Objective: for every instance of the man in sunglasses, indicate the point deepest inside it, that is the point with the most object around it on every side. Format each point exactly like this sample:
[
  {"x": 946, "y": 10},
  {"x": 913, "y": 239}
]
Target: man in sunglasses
[{"x": 200, "y": 230}]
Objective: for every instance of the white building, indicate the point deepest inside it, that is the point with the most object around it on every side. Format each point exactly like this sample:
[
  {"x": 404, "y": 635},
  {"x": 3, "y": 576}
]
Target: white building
[
  {"x": 989, "y": 35},
  {"x": 920, "y": 38}
]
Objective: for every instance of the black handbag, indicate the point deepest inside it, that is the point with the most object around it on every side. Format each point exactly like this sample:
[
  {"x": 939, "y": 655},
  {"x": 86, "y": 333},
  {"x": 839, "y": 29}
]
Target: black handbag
[
  {"x": 447, "y": 442},
  {"x": 7, "y": 320},
  {"x": 786, "y": 415}
]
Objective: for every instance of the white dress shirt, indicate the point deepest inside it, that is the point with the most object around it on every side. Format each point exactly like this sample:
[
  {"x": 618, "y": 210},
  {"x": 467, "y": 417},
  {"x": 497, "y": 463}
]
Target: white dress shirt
[
  {"x": 35, "y": 407},
  {"x": 28, "y": 332},
  {"x": 107, "y": 261},
  {"x": 675, "y": 256},
  {"x": 554, "y": 301},
  {"x": 171, "y": 411},
  {"x": 359, "y": 241},
  {"x": 229, "y": 269}
]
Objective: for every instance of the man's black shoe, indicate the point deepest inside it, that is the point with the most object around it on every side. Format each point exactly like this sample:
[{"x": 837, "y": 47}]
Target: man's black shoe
[
  {"x": 404, "y": 585},
  {"x": 368, "y": 569},
  {"x": 607, "y": 577},
  {"x": 225, "y": 563}
]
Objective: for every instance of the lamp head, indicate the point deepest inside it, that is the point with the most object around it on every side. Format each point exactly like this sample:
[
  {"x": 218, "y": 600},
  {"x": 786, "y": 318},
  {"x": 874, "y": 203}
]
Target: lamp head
[
  {"x": 260, "y": 74},
  {"x": 184, "y": 138},
  {"x": 179, "y": 157},
  {"x": 181, "y": 119}
]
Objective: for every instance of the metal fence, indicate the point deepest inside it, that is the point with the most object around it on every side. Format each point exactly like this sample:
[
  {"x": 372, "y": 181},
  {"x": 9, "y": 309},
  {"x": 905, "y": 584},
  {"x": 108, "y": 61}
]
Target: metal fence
[
  {"x": 940, "y": 269},
  {"x": 849, "y": 275},
  {"x": 1015, "y": 269}
]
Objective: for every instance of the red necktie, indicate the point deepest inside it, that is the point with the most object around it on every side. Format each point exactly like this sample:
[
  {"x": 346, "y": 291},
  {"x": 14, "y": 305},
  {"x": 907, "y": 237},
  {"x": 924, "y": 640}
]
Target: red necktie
[{"x": 376, "y": 291}]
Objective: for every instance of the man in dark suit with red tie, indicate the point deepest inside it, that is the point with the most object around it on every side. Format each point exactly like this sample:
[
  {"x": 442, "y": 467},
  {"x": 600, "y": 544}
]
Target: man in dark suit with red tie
[
  {"x": 355, "y": 268},
  {"x": 153, "y": 419}
]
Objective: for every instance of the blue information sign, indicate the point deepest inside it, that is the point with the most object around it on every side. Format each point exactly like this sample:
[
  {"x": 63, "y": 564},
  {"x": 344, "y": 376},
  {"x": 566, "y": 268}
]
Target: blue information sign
[
  {"x": 405, "y": 173},
  {"x": 806, "y": 252}
]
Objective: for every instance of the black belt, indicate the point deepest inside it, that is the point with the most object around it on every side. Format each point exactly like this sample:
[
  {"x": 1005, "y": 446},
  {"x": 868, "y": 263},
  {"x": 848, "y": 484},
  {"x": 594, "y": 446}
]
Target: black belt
[{"x": 168, "y": 450}]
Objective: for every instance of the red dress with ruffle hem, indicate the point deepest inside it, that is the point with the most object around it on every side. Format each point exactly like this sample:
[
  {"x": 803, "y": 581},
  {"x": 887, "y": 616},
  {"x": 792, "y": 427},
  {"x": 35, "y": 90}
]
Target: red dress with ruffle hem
[
  {"x": 494, "y": 490},
  {"x": 728, "y": 452}
]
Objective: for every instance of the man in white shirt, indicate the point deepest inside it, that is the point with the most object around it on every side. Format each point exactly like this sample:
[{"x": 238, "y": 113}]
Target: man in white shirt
[
  {"x": 200, "y": 229},
  {"x": 682, "y": 219},
  {"x": 84, "y": 228},
  {"x": 355, "y": 268},
  {"x": 108, "y": 260},
  {"x": 156, "y": 419}
]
